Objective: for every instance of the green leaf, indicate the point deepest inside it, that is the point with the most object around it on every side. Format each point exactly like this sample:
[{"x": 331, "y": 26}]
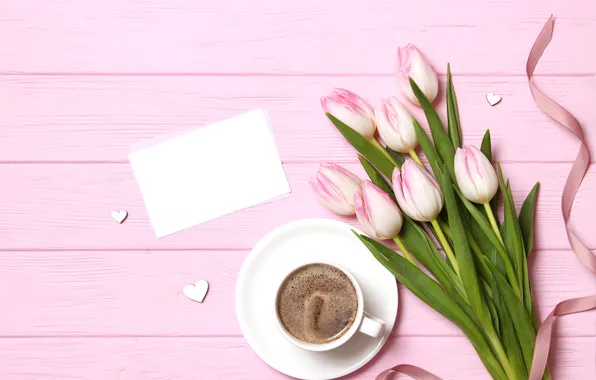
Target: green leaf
[
  {"x": 442, "y": 220},
  {"x": 440, "y": 136},
  {"x": 494, "y": 315},
  {"x": 508, "y": 336},
  {"x": 526, "y": 219},
  {"x": 481, "y": 240},
  {"x": 398, "y": 157},
  {"x": 514, "y": 242},
  {"x": 522, "y": 322},
  {"x": 425, "y": 251},
  {"x": 492, "y": 238},
  {"x": 479, "y": 257},
  {"x": 431, "y": 293},
  {"x": 372, "y": 154},
  {"x": 463, "y": 253},
  {"x": 527, "y": 289},
  {"x": 414, "y": 279},
  {"x": 376, "y": 177},
  {"x": 484, "y": 245},
  {"x": 482, "y": 223},
  {"x": 486, "y": 148},
  {"x": 427, "y": 147},
  {"x": 453, "y": 126},
  {"x": 496, "y": 259}
]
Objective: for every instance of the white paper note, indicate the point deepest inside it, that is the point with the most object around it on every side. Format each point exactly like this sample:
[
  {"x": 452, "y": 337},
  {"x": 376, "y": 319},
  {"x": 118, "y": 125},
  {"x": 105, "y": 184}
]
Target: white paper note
[{"x": 192, "y": 177}]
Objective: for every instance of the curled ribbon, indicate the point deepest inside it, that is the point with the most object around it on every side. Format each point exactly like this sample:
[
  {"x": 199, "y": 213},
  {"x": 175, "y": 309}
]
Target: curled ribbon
[{"x": 574, "y": 180}]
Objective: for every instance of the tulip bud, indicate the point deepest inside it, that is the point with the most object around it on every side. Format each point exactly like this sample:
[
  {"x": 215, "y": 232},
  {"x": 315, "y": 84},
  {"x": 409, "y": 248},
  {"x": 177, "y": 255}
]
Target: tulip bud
[
  {"x": 377, "y": 212},
  {"x": 395, "y": 125},
  {"x": 410, "y": 63},
  {"x": 352, "y": 110},
  {"x": 417, "y": 192},
  {"x": 475, "y": 175},
  {"x": 335, "y": 187}
]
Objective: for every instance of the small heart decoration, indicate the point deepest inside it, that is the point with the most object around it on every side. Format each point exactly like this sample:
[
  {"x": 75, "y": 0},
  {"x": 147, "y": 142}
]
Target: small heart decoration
[
  {"x": 493, "y": 99},
  {"x": 198, "y": 291},
  {"x": 119, "y": 215}
]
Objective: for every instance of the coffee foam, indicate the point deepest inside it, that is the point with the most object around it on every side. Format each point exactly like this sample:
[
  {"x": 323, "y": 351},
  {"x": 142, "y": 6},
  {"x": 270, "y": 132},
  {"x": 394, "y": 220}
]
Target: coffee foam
[{"x": 317, "y": 303}]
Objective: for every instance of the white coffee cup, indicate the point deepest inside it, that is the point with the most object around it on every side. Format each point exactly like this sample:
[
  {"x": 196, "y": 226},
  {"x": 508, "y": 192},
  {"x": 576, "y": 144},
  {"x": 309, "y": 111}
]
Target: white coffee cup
[{"x": 363, "y": 322}]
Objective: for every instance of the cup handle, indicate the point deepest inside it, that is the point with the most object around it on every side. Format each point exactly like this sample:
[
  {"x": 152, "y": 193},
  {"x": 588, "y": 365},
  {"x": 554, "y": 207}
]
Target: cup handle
[{"x": 371, "y": 326}]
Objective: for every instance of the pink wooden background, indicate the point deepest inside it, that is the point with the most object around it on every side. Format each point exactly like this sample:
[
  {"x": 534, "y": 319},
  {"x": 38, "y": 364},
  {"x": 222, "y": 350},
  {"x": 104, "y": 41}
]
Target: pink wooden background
[{"x": 82, "y": 297}]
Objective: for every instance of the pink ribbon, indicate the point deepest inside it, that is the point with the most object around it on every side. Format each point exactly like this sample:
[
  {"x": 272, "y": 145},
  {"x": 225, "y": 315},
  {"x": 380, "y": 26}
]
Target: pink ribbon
[
  {"x": 574, "y": 180},
  {"x": 409, "y": 370}
]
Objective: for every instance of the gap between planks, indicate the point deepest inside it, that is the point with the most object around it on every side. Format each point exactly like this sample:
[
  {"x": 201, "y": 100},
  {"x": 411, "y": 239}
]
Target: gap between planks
[
  {"x": 288, "y": 162},
  {"x": 173, "y": 250},
  {"x": 281, "y": 75},
  {"x": 232, "y": 336}
]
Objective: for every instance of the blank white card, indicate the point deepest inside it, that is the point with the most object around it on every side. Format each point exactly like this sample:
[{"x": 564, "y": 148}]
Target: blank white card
[{"x": 202, "y": 174}]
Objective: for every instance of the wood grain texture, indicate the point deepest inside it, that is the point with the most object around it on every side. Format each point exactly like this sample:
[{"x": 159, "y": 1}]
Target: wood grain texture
[
  {"x": 67, "y": 206},
  {"x": 232, "y": 359},
  {"x": 87, "y": 293},
  {"x": 82, "y": 297},
  {"x": 97, "y": 118},
  {"x": 311, "y": 36}
]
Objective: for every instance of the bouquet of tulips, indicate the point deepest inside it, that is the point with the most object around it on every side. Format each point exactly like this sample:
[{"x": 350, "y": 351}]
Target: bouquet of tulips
[{"x": 481, "y": 283}]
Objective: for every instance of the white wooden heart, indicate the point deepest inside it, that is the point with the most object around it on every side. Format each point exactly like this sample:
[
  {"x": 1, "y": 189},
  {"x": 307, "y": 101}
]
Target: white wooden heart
[
  {"x": 198, "y": 291},
  {"x": 493, "y": 99},
  {"x": 119, "y": 215}
]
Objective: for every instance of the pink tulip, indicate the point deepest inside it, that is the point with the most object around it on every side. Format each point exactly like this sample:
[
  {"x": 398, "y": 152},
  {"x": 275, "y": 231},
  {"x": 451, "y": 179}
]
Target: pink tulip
[
  {"x": 475, "y": 175},
  {"x": 352, "y": 110},
  {"x": 410, "y": 63},
  {"x": 395, "y": 125},
  {"x": 377, "y": 212},
  {"x": 335, "y": 187},
  {"x": 417, "y": 192}
]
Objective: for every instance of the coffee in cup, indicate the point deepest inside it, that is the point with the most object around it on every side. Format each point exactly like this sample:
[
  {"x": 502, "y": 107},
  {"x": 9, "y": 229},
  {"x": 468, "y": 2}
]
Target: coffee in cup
[{"x": 317, "y": 303}]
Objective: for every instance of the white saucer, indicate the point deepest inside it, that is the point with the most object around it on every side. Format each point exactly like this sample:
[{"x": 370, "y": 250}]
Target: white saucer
[{"x": 270, "y": 260}]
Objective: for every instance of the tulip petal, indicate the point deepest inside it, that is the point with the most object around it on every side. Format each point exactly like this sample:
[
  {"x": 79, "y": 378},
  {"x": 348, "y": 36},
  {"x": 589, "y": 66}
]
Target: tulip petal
[
  {"x": 411, "y": 63},
  {"x": 395, "y": 125},
  {"x": 352, "y": 110},
  {"x": 463, "y": 176},
  {"x": 417, "y": 192},
  {"x": 334, "y": 187},
  {"x": 334, "y": 204},
  {"x": 475, "y": 175},
  {"x": 363, "y": 215},
  {"x": 384, "y": 216}
]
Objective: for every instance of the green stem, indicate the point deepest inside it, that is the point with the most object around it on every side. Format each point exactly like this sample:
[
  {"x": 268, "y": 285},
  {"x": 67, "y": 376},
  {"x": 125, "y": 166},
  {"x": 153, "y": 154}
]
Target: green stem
[
  {"x": 484, "y": 269},
  {"x": 376, "y": 144},
  {"x": 402, "y": 247},
  {"x": 413, "y": 154},
  {"x": 487, "y": 288},
  {"x": 511, "y": 275},
  {"x": 506, "y": 260},
  {"x": 493, "y": 221},
  {"x": 446, "y": 246},
  {"x": 501, "y": 355}
]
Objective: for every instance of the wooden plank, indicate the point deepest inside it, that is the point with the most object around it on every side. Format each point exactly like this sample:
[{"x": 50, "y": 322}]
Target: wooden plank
[
  {"x": 232, "y": 358},
  {"x": 67, "y": 206},
  {"x": 311, "y": 36},
  {"x": 91, "y": 118},
  {"x": 99, "y": 293}
]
